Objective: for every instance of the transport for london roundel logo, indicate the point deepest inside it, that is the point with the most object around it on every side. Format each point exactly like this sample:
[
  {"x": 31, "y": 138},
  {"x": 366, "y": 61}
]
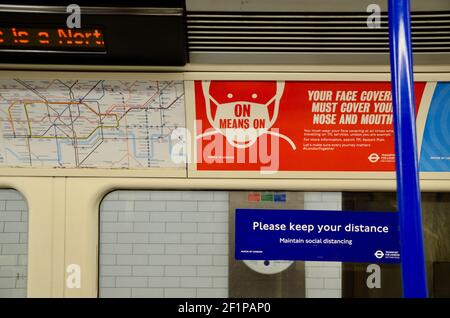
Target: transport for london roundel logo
[
  {"x": 373, "y": 157},
  {"x": 379, "y": 254}
]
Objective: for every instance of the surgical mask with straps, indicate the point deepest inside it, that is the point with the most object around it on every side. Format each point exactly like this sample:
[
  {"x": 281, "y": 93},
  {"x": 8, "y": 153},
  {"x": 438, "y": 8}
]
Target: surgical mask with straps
[{"x": 257, "y": 114}]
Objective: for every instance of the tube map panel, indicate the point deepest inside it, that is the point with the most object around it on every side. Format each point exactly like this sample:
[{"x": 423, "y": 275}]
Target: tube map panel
[{"x": 89, "y": 123}]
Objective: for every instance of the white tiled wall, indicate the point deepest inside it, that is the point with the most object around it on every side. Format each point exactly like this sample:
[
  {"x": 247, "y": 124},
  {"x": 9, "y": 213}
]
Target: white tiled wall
[
  {"x": 323, "y": 279},
  {"x": 164, "y": 244},
  {"x": 13, "y": 244},
  {"x": 175, "y": 244}
]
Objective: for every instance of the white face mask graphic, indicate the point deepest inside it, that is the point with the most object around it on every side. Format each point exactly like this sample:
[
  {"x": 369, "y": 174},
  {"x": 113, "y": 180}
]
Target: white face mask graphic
[{"x": 242, "y": 122}]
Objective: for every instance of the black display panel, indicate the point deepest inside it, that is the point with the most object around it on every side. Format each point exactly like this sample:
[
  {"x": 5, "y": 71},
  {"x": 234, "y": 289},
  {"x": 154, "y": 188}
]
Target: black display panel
[{"x": 153, "y": 33}]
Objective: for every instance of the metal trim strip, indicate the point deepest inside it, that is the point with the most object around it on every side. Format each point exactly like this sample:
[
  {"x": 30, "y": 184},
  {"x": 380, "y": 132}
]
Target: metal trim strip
[{"x": 93, "y": 10}]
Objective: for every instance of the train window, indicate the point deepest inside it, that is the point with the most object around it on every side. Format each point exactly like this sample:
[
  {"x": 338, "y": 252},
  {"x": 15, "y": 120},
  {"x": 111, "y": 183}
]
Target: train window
[
  {"x": 164, "y": 244},
  {"x": 13, "y": 244},
  {"x": 181, "y": 244}
]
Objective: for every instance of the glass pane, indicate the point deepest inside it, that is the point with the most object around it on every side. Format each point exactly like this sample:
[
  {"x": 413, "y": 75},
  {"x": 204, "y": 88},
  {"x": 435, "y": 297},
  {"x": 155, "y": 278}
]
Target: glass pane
[
  {"x": 13, "y": 244},
  {"x": 436, "y": 218},
  {"x": 436, "y": 223},
  {"x": 176, "y": 244},
  {"x": 164, "y": 244},
  {"x": 181, "y": 244}
]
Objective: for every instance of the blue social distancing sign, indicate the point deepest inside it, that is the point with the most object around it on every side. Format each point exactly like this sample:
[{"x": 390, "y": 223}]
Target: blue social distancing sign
[{"x": 308, "y": 235}]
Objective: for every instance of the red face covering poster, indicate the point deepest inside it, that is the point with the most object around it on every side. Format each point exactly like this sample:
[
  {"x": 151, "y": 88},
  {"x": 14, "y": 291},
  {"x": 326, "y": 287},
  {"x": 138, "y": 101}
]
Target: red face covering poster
[{"x": 295, "y": 126}]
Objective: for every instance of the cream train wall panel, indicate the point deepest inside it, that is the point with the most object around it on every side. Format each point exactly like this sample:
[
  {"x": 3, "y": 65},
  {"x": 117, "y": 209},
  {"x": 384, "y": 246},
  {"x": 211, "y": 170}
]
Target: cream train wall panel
[{"x": 64, "y": 212}]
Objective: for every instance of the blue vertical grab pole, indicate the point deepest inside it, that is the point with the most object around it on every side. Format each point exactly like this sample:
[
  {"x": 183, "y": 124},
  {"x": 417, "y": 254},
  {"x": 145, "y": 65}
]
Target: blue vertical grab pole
[{"x": 408, "y": 192}]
